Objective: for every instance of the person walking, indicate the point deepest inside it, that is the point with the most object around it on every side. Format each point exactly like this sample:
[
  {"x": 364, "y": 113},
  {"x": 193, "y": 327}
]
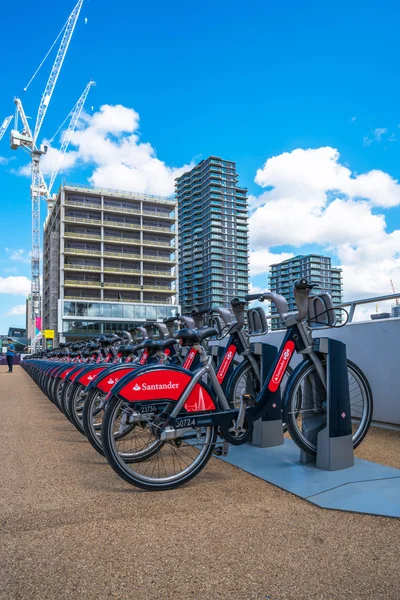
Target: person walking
[{"x": 10, "y": 354}]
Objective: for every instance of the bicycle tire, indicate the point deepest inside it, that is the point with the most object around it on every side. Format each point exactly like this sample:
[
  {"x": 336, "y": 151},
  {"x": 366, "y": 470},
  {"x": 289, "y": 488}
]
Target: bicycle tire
[
  {"x": 127, "y": 470},
  {"x": 292, "y": 411},
  {"x": 240, "y": 373},
  {"x": 89, "y": 411},
  {"x": 72, "y": 402}
]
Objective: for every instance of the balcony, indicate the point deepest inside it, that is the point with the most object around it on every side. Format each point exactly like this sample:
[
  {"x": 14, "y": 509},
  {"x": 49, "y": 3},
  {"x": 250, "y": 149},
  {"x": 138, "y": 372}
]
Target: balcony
[
  {"x": 121, "y": 270},
  {"x": 116, "y": 285},
  {"x": 80, "y": 236},
  {"x": 122, "y": 225},
  {"x": 158, "y": 288},
  {"x": 122, "y": 300},
  {"x": 124, "y": 255},
  {"x": 159, "y": 274},
  {"x": 82, "y": 204},
  {"x": 95, "y": 268},
  {"x": 149, "y": 213},
  {"x": 158, "y": 259},
  {"x": 79, "y": 283},
  {"x": 82, "y": 298},
  {"x": 157, "y": 228},
  {"x": 82, "y": 220},
  {"x": 82, "y": 251},
  {"x": 122, "y": 210},
  {"x": 121, "y": 240},
  {"x": 159, "y": 244}
]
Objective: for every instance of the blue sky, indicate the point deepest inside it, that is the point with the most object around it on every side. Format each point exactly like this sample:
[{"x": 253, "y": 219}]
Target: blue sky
[{"x": 246, "y": 81}]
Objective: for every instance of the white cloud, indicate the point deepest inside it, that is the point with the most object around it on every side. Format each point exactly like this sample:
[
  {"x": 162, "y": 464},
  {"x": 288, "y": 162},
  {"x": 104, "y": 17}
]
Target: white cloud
[
  {"x": 3, "y": 160},
  {"x": 20, "y": 309},
  {"x": 379, "y": 132},
  {"x": 108, "y": 142},
  {"x": 312, "y": 198},
  {"x": 15, "y": 285},
  {"x": 260, "y": 260},
  {"x": 18, "y": 255}
]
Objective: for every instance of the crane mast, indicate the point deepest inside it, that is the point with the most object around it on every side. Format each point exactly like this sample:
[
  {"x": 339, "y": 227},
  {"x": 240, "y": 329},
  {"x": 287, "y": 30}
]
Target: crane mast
[
  {"x": 5, "y": 125},
  {"x": 28, "y": 141}
]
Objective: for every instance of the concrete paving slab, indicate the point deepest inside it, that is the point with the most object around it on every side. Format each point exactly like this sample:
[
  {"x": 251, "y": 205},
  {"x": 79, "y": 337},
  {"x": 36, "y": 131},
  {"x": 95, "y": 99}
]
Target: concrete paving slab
[{"x": 329, "y": 489}]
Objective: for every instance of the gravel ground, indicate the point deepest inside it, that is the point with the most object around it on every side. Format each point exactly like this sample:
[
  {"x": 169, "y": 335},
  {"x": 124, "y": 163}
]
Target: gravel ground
[{"x": 70, "y": 528}]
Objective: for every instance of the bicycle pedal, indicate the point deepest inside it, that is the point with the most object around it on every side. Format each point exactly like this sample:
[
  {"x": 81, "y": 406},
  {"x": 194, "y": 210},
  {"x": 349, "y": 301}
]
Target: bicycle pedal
[
  {"x": 221, "y": 450},
  {"x": 249, "y": 400}
]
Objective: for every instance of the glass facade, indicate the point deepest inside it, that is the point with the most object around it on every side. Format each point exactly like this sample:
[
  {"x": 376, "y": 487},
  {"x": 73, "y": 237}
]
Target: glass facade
[
  {"x": 213, "y": 242},
  {"x": 73, "y": 312},
  {"x": 317, "y": 269}
]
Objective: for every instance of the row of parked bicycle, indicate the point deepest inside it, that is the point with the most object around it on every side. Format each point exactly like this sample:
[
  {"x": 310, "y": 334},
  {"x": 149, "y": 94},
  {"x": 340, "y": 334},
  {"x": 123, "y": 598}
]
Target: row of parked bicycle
[{"x": 158, "y": 407}]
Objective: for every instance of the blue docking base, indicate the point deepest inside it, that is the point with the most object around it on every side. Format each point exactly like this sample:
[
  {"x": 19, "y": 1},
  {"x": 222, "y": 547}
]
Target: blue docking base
[{"x": 366, "y": 487}]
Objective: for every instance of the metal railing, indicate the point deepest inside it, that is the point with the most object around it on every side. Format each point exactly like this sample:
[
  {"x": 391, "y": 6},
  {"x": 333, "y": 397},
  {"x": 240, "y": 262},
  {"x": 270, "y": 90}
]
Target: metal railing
[
  {"x": 117, "y": 285},
  {"x": 125, "y": 225},
  {"x": 122, "y": 300},
  {"x": 78, "y": 283},
  {"x": 114, "y": 238},
  {"x": 80, "y": 236},
  {"x": 159, "y": 274},
  {"x": 82, "y": 251},
  {"x": 159, "y": 288},
  {"x": 108, "y": 191},
  {"x": 81, "y": 298},
  {"x": 158, "y": 228},
  {"x": 121, "y": 209},
  {"x": 82, "y": 204},
  {"x": 82, "y": 267},
  {"x": 120, "y": 255},
  {"x": 82, "y": 220},
  {"x": 121, "y": 270},
  {"x": 158, "y": 259},
  {"x": 156, "y": 243},
  {"x": 354, "y": 303}
]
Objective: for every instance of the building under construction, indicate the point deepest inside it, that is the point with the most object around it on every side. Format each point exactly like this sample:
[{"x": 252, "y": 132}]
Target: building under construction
[{"x": 109, "y": 261}]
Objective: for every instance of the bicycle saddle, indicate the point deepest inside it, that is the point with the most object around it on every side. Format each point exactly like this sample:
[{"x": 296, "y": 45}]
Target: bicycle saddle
[
  {"x": 195, "y": 336},
  {"x": 93, "y": 346},
  {"x": 158, "y": 344},
  {"x": 127, "y": 348}
]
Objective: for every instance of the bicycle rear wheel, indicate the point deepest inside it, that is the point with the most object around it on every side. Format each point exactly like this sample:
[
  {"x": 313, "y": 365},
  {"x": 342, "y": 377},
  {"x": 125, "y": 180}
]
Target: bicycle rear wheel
[
  {"x": 245, "y": 381},
  {"x": 305, "y": 405},
  {"x": 142, "y": 459}
]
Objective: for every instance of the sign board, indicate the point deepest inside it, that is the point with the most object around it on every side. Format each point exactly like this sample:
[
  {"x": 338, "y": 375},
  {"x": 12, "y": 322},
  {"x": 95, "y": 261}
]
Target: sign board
[{"x": 49, "y": 334}]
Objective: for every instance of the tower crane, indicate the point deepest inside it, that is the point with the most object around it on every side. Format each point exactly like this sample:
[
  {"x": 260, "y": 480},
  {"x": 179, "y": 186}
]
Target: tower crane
[
  {"x": 397, "y": 302},
  {"x": 28, "y": 141},
  {"x": 4, "y": 125},
  {"x": 75, "y": 114}
]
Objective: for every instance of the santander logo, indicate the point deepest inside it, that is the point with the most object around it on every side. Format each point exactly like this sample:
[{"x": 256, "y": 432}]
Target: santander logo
[
  {"x": 280, "y": 368},
  {"x": 156, "y": 386}
]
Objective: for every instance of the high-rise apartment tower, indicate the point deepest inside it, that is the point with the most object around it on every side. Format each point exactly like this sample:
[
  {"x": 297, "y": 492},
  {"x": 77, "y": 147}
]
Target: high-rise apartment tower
[
  {"x": 317, "y": 269},
  {"x": 213, "y": 236}
]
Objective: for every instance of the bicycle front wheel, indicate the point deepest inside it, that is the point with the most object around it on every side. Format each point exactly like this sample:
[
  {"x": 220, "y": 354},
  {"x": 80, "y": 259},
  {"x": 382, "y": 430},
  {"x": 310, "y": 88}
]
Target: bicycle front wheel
[
  {"x": 305, "y": 405},
  {"x": 143, "y": 460}
]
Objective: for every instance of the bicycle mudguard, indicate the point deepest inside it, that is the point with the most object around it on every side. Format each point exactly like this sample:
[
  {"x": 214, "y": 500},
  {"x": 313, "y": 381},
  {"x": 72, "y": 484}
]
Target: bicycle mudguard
[
  {"x": 90, "y": 374},
  {"x": 155, "y": 383},
  {"x": 72, "y": 375},
  {"x": 106, "y": 381}
]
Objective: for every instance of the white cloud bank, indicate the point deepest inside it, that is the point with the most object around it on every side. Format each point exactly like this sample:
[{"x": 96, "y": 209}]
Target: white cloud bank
[
  {"x": 311, "y": 198},
  {"x": 109, "y": 142},
  {"x": 18, "y": 310},
  {"x": 15, "y": 285}
]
